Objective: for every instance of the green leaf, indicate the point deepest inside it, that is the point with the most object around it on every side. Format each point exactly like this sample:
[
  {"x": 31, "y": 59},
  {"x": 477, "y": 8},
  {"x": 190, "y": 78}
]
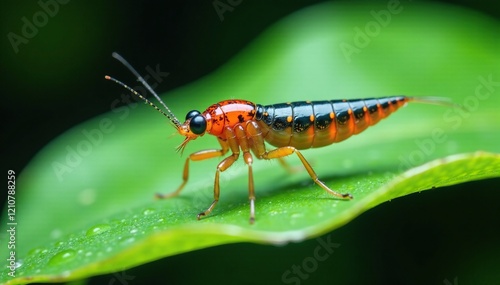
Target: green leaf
[{"x": 84, "y": 205}]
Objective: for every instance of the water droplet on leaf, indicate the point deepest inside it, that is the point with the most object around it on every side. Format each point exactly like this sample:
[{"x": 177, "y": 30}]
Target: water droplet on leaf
[
  {"x": 97, "y": 229},
  {"x": 148, "y": 211},
  {"x": 62, "y": 257}
]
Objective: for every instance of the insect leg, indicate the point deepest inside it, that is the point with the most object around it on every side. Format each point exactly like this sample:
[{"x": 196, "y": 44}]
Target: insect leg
[
  {"x": 258, "y": 147},
  {"x": 251, "y": 190},
  {"x": 287, "y": 150},
  {"x": 222, "y": 166},
  {"x": 199, "y": 155},
  {"x": 245, "y": 145}
]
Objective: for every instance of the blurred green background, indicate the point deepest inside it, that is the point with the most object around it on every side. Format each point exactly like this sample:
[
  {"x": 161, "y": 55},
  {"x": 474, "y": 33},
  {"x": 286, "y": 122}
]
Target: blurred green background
[{"x": 55, "y": 81}]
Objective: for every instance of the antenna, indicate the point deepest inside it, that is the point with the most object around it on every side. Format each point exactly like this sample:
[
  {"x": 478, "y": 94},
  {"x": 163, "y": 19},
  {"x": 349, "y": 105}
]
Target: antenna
[
  {"x": 167, "y": 114},
  {"x": 107, "y": 77},
  {"x": 443, "y": 101}
]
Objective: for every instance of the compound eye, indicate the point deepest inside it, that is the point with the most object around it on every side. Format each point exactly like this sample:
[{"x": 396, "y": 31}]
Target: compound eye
[
  {"x": 198, "y": 124},
  {"x": 191, "y": 114}
]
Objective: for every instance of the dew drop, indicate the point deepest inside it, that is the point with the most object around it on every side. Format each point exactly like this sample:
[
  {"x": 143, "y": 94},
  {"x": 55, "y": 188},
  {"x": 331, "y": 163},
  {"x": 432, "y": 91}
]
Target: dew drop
[
  {"x": 36, "y": 251},
  {"x": 133, "y": 231},
  {"x": 62, "y": 257},
  {"x": 98, "y": 229},
  {"x": 127, "y": 240},
  {"x": 148, "y": 211}
]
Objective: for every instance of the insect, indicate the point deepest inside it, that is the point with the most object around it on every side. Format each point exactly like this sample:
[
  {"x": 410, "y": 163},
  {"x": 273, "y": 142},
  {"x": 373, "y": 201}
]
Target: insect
[{"x": 243, "y": 127}]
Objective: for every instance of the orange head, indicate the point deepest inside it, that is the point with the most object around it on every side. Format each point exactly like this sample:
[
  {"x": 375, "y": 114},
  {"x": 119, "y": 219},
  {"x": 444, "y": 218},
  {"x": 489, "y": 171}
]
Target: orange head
[{"x": 194, "y": 127}]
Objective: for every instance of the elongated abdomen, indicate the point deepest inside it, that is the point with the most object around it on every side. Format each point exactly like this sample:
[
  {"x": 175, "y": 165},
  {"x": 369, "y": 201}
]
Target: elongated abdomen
[{"x": 309, "y": 124}]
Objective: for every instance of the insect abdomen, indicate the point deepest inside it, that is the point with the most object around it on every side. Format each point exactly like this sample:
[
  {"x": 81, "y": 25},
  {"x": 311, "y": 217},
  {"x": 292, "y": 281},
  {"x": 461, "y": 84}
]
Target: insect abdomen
[{"x": 309, "y": 124}]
